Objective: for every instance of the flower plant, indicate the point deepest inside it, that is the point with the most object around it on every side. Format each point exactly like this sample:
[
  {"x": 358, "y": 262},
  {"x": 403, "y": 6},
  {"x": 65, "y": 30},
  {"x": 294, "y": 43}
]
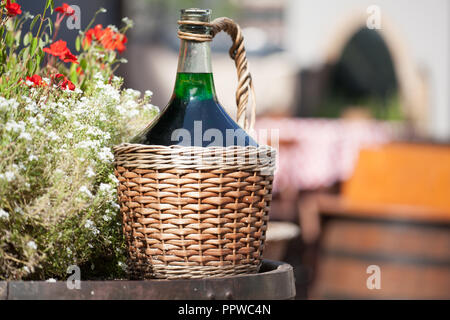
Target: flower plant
[{"x": 60, "y": 114}]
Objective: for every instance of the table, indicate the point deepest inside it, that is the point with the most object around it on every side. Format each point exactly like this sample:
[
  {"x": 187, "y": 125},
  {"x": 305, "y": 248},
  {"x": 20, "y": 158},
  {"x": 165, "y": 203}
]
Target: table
[{"x": 316, "y": 153}]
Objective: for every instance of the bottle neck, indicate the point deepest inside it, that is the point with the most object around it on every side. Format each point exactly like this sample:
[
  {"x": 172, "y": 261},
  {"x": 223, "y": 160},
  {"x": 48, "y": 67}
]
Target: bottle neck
[
  {"x": 194, "y": 73},
  {"x": 194, "y": 57}
]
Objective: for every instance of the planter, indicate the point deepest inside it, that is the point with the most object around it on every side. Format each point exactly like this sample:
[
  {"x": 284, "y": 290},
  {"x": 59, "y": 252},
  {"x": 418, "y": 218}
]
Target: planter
[{"x": 275, "y": 281}]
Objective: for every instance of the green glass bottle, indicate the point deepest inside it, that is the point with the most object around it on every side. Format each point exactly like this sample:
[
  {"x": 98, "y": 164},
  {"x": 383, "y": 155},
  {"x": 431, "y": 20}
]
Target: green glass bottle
[{"x": 194, "y": 117}]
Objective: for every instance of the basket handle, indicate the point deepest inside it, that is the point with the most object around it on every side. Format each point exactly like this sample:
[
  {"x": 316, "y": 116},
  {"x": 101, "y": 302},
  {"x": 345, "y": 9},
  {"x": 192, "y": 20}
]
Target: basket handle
[
  {"x": 237, "y": 53},
  {"x": 245, "y": 83}
]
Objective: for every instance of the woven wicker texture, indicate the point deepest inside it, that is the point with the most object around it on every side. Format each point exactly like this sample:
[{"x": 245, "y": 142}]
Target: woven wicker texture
[{"x": 194, "y": 212}]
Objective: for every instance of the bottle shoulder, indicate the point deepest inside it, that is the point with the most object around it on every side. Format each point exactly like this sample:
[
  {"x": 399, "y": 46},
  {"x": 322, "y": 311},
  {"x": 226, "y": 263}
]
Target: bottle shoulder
[
  {"x": 194, "y": 117},
  {"x": 194, "y": 123}
]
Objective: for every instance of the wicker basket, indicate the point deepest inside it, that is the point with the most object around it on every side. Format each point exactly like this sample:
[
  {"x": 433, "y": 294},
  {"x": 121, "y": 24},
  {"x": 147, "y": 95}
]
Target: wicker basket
[
  {"x": 186, "y": 217},
  {"x": 192, "y": 212}
]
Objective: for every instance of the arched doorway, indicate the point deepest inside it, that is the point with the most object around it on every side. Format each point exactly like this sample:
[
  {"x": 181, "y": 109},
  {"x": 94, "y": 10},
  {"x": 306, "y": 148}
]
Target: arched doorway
[
  {"x": 412, "y": 84},
  {"x": 362, "y": 81},
  {"x": 412, "y": 88}
]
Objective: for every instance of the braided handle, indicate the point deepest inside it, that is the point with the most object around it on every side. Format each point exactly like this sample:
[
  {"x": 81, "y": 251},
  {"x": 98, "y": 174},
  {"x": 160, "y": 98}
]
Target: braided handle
[{"x": 245, "y": 84}]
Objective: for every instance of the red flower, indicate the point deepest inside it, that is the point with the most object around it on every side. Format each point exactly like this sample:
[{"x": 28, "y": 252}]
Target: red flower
[
  {"x": 108, "y": 38},
  {"x": 37, "y": 81},
  {"x": 13, "y": 8},
  {"x": 64, "y": 83},
  {"x": 80, "y": 71},
  {"x": 59, "y": 49},
  {"x": 65, "y": 10},
  {"x": 93, "y": 32},
  {"x": 69, "y": 57}
]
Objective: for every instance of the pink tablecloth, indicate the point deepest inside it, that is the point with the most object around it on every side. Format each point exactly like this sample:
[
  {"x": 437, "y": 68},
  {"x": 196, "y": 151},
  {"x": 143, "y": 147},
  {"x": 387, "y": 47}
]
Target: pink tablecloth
[{"x": 316, "y": 153}]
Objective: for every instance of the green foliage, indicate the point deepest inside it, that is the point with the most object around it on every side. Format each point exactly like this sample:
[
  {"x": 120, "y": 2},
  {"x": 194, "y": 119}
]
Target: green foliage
[
  {"x": 334, "y": 106},
  {"x": 58, "y": 200}
]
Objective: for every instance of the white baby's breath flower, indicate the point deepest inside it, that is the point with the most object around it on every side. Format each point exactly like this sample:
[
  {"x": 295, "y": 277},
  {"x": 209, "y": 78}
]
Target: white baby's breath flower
[
  {"x": 99, "y": 55},
  {"x": 133, "y": 113},
  {"x": 134, "y": 94},
  {"x": 86, "y": 191},
  {"x": 115, "y": 205},
  {"x": 8, "y": 104},
  {"x": 148, "y": 94},
  {"x": 94, "y": 131},
  {"x": 10, "y": 176},
  {"x": 32, "y": 107},
  {"x": 50, "y": 280},
  {"x": 89, "y": 224},
  {"x": 40, "y": 119},
  {"x": 113, "y": 179},
  {"x": 32, "y": 120},
  {"x": 109, "y": 94},
  {"x": 122, "y": 111},
  {"x": 52, "y": 136},
  {"x": 90, "y": 172},
  {"x": 150, "y": 107},
  {"x": 14, "y": 126},
  {"x": 113, "y": 28},
  {"x": 98, "y": 76},
  {"x": 105, "y": 187},
  {"x": 122, "y": 265},
  {"x": 32, "y": 245},
  {"x": 25, "y": 135},
  {"x": 105, "y": 154},
  {"x": 4, "y": 214},
  {"x": 128, "y": 22}
]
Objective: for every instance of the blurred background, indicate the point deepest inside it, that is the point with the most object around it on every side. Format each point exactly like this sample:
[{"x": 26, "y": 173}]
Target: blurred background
[{"x": 359, "y": 94}]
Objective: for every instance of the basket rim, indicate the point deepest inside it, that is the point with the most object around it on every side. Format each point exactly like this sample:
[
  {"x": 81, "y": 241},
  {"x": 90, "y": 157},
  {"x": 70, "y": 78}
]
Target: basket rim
[
  {"x": 261, "y": 158},
  {"x": 117, "y": 148}
]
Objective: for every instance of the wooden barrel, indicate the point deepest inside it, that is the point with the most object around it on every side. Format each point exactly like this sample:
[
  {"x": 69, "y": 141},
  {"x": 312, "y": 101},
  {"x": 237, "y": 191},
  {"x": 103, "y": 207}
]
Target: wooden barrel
[
  {"x": 413, "y": 260},
  {"x": 275, "y": 281}
]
